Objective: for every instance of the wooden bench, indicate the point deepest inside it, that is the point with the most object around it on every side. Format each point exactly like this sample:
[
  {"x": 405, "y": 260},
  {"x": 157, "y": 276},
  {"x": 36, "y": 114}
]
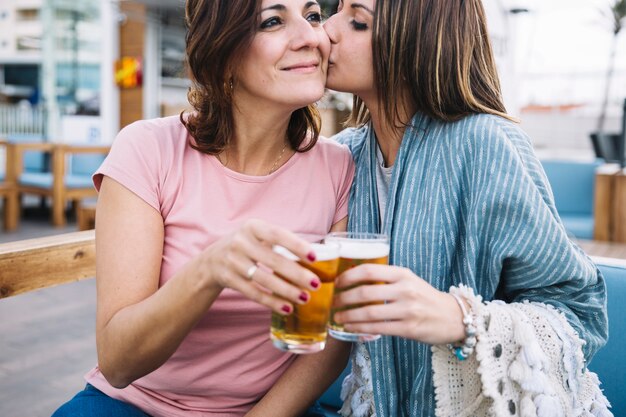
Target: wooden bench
[
  {"x": 33, "y": 264},
  {"x": 86, "y": 216}
]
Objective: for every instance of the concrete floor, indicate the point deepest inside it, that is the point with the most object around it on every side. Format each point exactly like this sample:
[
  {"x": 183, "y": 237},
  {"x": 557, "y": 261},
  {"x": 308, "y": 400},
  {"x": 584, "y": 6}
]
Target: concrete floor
[{"x": 47, "y": 337}]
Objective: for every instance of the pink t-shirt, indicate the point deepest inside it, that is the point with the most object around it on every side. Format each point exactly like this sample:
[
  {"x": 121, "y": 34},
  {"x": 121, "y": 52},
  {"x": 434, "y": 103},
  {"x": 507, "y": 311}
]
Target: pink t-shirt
[{"x": 227, "y": 362}]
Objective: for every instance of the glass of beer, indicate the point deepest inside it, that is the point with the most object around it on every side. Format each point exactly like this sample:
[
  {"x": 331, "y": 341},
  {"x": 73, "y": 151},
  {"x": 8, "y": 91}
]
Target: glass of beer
[
  {"x": 356, "y": 249},
  {"x": 305, "y": 329}
]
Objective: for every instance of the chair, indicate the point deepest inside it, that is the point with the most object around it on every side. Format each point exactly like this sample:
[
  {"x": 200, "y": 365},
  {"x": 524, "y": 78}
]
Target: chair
[
  {"x": 572, "y": 183},
  {"x": 609, "y": 362},
  {"x": 8, "y": 191},
  {"x": 70, "y": 178}
]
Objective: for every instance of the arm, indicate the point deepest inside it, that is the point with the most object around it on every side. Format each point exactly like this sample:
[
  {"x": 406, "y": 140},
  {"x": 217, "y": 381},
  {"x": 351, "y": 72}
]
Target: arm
[
  {"x": 308, "y": 377},
  {"x": 523, "y": 252},
  {"x": 135, "y": 329}
]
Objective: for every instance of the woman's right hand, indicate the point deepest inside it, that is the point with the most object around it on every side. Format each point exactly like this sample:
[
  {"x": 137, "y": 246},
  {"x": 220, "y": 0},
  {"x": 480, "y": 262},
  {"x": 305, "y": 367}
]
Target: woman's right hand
[{"x": 245, "y": 261}]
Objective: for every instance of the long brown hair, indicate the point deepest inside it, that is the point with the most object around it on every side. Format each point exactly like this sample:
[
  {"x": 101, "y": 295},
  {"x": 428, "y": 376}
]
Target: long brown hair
[
  {"x": 218, "y": 31},
  {"x": 435, "y": 53}
]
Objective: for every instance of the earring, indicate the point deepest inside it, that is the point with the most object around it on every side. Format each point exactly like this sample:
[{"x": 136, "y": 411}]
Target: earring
[{"x": 228, "y": 87}]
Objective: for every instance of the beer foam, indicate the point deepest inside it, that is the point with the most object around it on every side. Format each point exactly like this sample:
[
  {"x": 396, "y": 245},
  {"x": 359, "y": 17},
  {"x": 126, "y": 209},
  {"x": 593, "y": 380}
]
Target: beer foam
[
  {"x": 322, "y": 251},
  {"x": 356, "y": 249},
  {"x": 325, "y": 252}
]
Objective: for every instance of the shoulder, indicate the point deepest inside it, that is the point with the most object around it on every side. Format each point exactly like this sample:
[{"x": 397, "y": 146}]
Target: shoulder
[
  {"x": 153, "y": 129},
  {"x": 486, "y": 130},
  {"x": 483, "y": 137},
  {"x": 331, "y": 148},
  {"x": 333, "y": 156},
  {"x": 353, "y": 138},
  {"x": 162, "y": 135}
]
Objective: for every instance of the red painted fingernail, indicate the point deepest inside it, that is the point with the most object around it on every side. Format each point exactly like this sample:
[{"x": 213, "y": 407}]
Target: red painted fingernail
[
  {"x": 315, "y": 283},
  {"x": 286, "y": 308},
  {"x": 304, "y": 296},
  {"x": 311, "y": 256}
]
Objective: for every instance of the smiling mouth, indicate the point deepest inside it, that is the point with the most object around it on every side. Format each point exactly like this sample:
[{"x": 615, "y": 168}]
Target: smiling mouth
[{"x": 304, "y": 67}]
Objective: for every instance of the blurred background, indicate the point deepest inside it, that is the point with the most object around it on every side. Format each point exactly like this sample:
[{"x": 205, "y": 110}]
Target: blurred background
[
  {"x": 80, "y": 70},
  {"x": 72, "y": 73}
]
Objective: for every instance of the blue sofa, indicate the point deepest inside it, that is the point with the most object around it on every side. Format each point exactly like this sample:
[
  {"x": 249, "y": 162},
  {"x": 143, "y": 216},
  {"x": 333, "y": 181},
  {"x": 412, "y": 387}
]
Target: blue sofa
[
  {"x": 609, "y": 363},
  {"x": 573, "y": 184}
]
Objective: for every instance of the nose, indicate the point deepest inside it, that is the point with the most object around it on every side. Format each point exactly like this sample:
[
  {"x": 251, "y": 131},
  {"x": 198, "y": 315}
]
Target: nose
[{"x": 304, "y": 35}]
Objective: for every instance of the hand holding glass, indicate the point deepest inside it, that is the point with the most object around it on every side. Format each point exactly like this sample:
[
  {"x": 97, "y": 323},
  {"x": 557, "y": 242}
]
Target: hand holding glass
[
  {"x": 304, "y": 330},
  {"x": 356, "y": 249}
]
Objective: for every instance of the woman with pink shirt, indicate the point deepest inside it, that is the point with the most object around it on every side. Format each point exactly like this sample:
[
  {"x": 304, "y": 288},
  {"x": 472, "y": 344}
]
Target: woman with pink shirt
[{"x": 189, "y": 209}]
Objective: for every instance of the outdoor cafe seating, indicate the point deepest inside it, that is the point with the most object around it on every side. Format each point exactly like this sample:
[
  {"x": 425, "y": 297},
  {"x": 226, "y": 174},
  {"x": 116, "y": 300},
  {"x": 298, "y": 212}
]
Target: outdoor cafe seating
[
  {"x": 573, "y": 185},
  {"x": 56, "y": 171}
]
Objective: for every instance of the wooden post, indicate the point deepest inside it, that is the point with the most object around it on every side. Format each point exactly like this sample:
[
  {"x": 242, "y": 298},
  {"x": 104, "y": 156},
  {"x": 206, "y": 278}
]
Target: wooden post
[
  {"x": 132, "y": 42},
  {"x": 12, "y": 198},
  {"x": 603, "y": 209},
  {"x": 619, "y": 208},
  {"x": 58, "y": 187}
]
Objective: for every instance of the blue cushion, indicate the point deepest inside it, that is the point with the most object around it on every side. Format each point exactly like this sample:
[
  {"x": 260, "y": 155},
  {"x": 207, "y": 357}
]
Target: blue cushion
[
  {"x": 36, "y": 179},
  {"x": 85, "y": 164},
  {"x": 572, "y": 183},
  {"x": 32, "y": 161},
  {"x": 610, "y": 363},
  {"x": 578, "y": 225},
  {"x": 44, "y": 180}
]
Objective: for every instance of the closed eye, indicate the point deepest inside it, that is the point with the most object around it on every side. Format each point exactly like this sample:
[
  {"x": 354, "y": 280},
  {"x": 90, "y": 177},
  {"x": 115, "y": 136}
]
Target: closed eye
[{"x": 358, "y": 25}]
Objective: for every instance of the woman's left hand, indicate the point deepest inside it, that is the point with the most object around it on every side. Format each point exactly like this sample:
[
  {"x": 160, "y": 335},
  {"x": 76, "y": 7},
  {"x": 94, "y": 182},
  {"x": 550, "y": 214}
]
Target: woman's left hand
[{"x": 412, "y": 307}]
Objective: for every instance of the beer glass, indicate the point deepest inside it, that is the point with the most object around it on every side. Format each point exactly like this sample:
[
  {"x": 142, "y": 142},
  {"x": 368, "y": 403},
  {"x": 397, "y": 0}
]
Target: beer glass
[
  {"x": 356, "y": 249},
  {"x": 305, "y": 330}
]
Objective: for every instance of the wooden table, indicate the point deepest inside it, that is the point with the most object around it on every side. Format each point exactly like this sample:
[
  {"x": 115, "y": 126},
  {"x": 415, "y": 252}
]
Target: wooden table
[
  {"x": 601, "y": 249},
  {"x": 610, "y": 204}
]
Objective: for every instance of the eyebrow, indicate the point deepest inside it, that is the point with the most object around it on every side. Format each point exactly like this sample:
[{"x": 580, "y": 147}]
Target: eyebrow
[
  {"x": 282, "y": 6},
  {"x": 361, "y": 6}
]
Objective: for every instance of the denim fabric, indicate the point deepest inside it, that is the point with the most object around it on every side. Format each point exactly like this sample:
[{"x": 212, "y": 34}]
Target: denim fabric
[{"x": 91, "y": 402}]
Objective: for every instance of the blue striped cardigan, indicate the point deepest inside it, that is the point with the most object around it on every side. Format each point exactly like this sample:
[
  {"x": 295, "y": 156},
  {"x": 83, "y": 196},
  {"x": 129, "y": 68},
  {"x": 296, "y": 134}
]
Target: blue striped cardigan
[{"x": 469, "y": 204}]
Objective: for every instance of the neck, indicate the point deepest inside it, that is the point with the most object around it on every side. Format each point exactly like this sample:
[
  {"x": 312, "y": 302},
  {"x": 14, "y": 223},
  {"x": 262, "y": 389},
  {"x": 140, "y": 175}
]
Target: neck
[
  {"x": 389, "y": 133},
  {"x": 259, "y": 144}
]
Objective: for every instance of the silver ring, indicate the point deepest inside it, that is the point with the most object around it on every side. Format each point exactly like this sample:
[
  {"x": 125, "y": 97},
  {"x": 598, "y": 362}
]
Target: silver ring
[{"x": 251, "y": 271}]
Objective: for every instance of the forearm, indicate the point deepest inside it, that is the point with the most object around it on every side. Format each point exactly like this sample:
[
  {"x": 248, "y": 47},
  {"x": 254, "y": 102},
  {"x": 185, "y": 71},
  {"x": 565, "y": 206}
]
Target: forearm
[
  {"x": 304, "y": 382},
  {"x": 140, "y": 338}
]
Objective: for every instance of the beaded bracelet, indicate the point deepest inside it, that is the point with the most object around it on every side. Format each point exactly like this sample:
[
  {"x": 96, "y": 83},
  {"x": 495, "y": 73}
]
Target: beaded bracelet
[{"x": 463, "y": 351}]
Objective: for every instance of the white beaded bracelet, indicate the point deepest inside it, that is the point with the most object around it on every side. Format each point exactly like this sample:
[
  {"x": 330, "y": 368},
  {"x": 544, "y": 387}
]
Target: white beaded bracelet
[{"x": 463, "y": 351}]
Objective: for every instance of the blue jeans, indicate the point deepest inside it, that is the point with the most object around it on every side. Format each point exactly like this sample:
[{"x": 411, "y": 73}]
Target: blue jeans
[{"x": 91, "y": 402}]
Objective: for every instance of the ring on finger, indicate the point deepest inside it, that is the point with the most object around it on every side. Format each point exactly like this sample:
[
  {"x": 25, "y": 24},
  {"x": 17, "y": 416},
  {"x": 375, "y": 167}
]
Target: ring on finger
[{"x": 251, "y": 271}]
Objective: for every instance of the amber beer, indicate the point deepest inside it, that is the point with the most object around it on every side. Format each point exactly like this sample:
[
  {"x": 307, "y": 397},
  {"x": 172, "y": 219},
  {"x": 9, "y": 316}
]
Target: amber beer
[
  {"x": 305, "y": 330},
  {"x": 356, "y": 249}
]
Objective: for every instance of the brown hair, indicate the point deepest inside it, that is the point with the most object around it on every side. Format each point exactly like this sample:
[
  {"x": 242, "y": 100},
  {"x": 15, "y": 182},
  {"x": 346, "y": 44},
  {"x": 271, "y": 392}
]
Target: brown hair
[
  {"x": 218, "y": 31},
  {"x": 438, "y": 55}
]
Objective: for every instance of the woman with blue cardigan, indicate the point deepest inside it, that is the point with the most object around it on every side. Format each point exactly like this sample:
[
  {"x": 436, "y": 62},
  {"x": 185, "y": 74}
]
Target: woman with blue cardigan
[{"x": 489, "y": 308}]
